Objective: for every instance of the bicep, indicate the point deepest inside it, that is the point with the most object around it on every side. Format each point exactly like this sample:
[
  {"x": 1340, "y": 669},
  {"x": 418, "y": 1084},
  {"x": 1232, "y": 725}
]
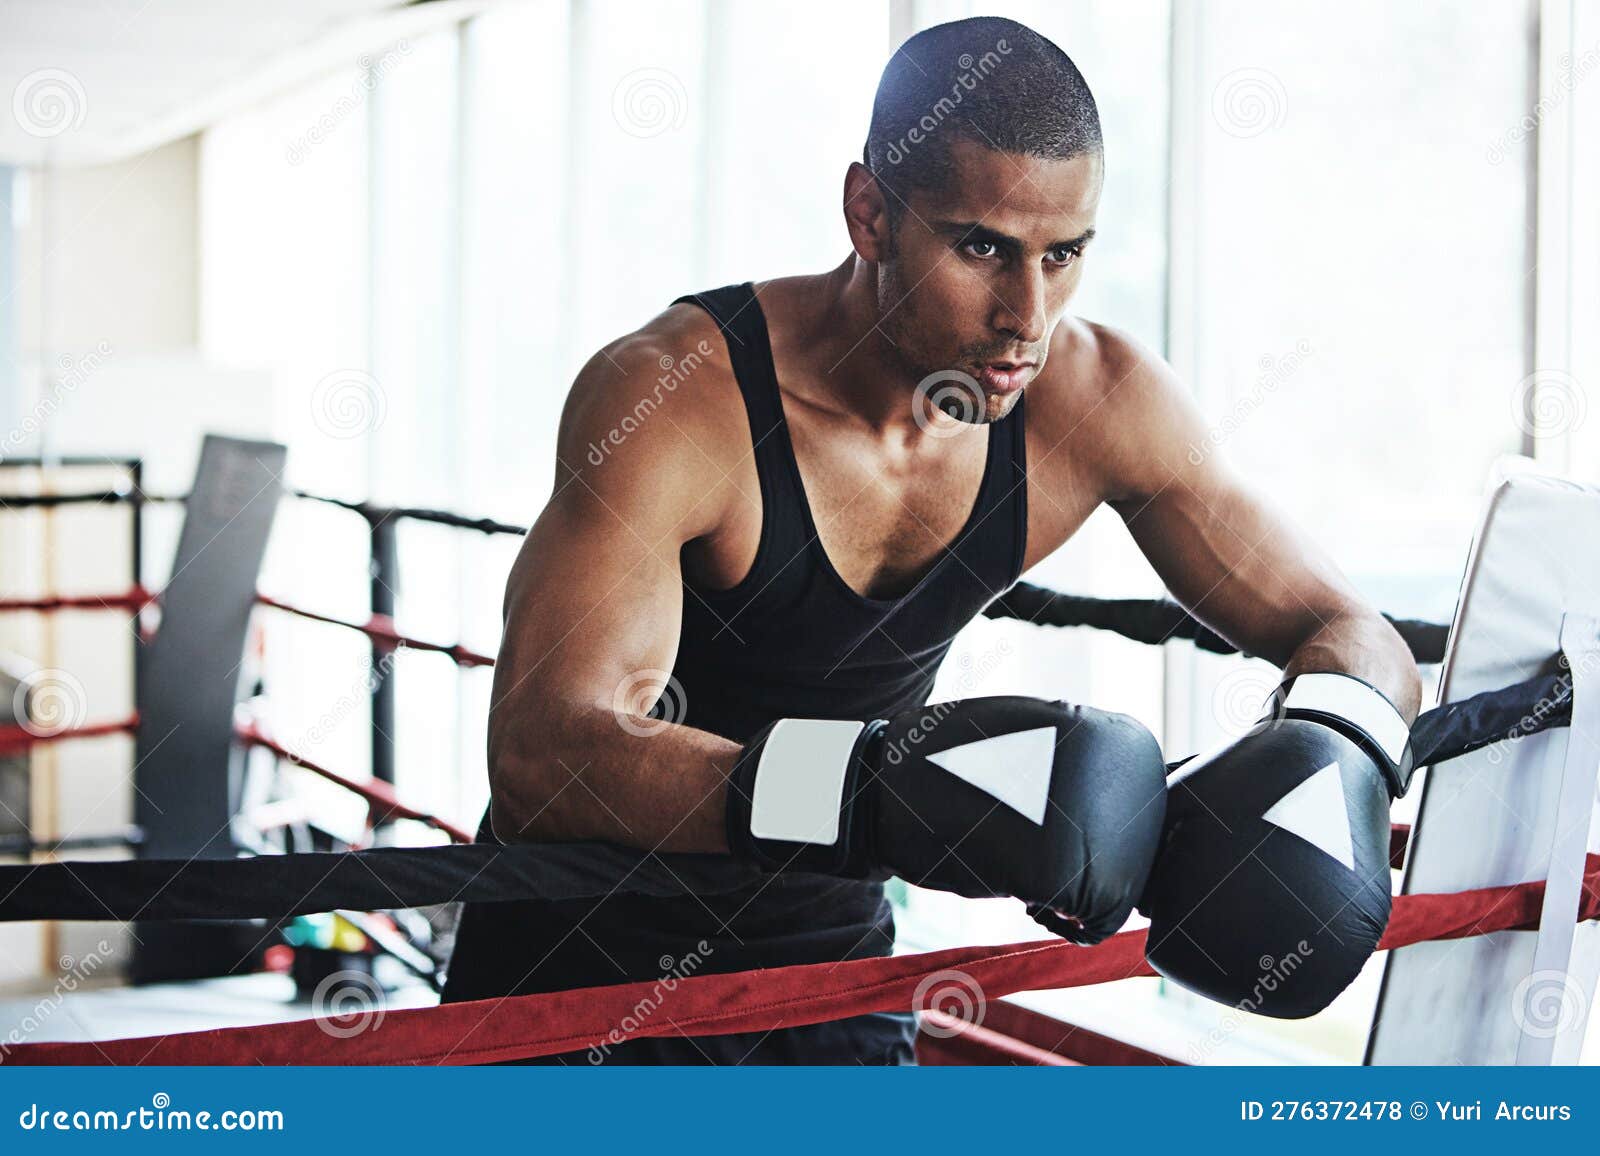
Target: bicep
[{"x": 594, "y": 597}]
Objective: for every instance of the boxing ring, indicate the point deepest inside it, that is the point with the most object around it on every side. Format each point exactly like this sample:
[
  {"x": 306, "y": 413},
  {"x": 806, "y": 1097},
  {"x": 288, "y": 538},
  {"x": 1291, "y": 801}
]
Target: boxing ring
[{"x": 1497, "y": 908}]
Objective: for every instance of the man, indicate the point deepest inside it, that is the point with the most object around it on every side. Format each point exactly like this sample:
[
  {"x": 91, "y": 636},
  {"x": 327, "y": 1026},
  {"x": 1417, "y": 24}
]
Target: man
[{"x": 792, "y": 496}]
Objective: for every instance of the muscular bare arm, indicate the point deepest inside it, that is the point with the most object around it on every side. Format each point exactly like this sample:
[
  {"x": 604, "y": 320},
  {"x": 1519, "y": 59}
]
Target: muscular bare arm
[
  {"x": 1224, "y": 552},
  {"x": 593, "y": 600}
]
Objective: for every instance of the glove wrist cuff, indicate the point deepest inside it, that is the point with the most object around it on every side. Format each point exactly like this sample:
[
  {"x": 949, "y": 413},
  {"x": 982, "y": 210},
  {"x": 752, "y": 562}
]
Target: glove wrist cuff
[
  {"x": 793, "y": 797},
  {"x": 1356, "y": 709}
]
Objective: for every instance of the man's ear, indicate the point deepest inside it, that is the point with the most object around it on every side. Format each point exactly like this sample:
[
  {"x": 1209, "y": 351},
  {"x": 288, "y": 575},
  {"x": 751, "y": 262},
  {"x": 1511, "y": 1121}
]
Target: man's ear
[{"x": 866, "y": 213}]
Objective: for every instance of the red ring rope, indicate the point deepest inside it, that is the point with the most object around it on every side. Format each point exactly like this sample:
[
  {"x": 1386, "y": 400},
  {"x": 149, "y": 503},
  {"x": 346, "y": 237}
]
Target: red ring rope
[
  {"x": 132, "y": 600},
  {"x": 381, "y": 629},
  {"x": 381, "y": 797},
  {"x": 16, "y": 740},
  {"x": 763, "y": 1000}
]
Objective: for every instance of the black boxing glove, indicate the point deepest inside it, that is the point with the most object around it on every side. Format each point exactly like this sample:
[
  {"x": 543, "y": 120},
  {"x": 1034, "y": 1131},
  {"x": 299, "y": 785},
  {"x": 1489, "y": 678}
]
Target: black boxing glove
[
  {"x": 1271, "y": 887},
  {"x": 1060, "y": 806}
]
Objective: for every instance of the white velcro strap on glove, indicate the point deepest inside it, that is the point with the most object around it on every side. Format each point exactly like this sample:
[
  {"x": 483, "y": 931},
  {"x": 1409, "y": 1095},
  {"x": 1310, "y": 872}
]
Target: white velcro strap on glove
[
  {"x": 800, "y": 778},
  {"x": 1355, "y": 702}
]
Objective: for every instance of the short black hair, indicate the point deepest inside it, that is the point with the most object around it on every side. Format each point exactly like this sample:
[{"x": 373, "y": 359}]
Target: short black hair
[{"x": 989, "y": 80}]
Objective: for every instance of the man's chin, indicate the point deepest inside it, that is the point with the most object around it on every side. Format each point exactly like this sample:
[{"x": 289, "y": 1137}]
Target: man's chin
[
  {"x": 995, "y": 405},
  {"x": 998, "y": 405}
]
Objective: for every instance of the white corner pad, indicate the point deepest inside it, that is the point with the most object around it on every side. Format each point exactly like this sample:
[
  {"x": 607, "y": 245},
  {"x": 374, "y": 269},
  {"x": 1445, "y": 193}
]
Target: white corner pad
[
  {"x": 1355, "y": 701},
  {"x": 799, "y": 787}
]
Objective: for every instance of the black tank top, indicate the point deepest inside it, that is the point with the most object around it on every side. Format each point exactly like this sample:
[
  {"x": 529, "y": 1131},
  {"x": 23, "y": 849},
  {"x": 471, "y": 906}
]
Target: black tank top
[{"x": 790, "y": 640}]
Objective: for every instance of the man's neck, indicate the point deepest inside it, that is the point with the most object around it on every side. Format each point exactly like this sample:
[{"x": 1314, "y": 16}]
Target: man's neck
[{"x": 854, "y": 359}]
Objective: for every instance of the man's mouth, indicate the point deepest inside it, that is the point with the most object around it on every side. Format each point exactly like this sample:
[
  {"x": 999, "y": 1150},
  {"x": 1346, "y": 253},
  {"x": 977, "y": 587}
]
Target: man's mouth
[{"x": 1004, "y": 376}]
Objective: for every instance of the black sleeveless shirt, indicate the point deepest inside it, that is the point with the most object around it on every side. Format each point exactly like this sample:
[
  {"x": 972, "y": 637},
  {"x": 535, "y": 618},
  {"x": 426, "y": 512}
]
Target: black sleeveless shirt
[{"x": 792, "y": 639}]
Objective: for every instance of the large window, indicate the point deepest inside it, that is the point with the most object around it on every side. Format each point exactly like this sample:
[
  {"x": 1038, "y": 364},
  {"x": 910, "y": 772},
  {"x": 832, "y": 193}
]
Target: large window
[
  {"x": 1326, "y": 238},
  {"x": 1323, "y": 214}
]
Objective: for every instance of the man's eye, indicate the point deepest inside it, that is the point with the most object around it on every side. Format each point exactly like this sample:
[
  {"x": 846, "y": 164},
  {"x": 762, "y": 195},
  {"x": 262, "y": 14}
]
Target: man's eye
[
  {"x": 1066, "y": 254},
  {"x": 981, "y": 248}
]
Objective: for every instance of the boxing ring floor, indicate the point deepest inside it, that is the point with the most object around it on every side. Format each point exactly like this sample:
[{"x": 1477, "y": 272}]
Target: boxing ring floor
[{"x": 111, "y": 1010}]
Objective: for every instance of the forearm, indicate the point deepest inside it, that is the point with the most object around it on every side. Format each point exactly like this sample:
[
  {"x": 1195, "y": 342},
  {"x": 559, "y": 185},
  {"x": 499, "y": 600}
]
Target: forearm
[
  {"x": 1360, "y": 642},
  {"x": 583, "y": 776}
]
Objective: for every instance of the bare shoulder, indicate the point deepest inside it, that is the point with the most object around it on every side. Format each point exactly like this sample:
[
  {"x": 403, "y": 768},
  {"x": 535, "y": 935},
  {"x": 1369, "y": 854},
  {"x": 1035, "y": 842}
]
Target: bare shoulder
[
  {"x": 1109, "y": 406},
  {"x": 1095, "y": 373},
  {"x": 656, "y": 409},
  {"x": 674, "y": 368}
]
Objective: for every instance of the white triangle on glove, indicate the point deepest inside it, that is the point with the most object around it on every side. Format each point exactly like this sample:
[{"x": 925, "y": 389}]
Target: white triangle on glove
[
  {"x": 1315, "y": 811},
  {"x": 1014, "y": 768}
]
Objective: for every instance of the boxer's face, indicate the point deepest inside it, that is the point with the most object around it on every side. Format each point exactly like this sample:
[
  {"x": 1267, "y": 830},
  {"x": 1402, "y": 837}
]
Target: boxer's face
[{"x": 981, "y": 268}]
